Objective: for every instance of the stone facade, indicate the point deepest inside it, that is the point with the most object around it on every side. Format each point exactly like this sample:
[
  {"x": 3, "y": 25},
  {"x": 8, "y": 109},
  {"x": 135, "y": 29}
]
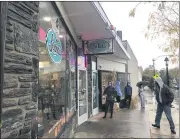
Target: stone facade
[
  {"x": 70, "y": 128},
  {"x": 19, "y": 102}
]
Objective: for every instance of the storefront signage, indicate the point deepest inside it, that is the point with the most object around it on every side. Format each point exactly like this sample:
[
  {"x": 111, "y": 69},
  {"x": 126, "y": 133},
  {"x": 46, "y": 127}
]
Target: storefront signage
[
  {"x": 97, "y": 47},
  {"x": 54, "y": 46}
]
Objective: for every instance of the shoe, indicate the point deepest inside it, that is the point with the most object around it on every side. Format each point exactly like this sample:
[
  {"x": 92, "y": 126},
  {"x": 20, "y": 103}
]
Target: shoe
[
  {"x": 173, "y": 131},
  {"x": 104, "y": 117},
  {"x": 155, "y": 125}
]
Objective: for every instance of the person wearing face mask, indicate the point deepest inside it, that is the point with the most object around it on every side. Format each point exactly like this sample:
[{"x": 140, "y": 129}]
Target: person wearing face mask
[
  {"x": 110, "y": 97},
  {"x": 164, "y": 98},
  {"x": 128, "y": 94}
]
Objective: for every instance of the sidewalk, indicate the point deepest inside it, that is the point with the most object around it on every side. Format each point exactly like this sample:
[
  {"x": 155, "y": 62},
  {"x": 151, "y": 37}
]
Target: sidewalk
[
  {"x": 133, "y": 123},
  {"x": 164, "y": 131}
]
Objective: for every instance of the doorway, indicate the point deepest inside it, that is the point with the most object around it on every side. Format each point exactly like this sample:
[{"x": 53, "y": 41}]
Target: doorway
[
  {"x": 95, "y": 93},
  {"x": 82, "y": 96}
]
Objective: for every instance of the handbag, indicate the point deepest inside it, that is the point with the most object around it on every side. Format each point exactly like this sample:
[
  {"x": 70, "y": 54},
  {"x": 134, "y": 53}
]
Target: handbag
[{"x": 47, "y": 110}]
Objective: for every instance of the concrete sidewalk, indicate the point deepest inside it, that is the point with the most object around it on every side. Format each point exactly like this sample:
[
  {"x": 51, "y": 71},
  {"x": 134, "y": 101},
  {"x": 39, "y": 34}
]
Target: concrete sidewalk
[
  {"x": 164, "y": 131},
  {"x": 125, "y": 124}
]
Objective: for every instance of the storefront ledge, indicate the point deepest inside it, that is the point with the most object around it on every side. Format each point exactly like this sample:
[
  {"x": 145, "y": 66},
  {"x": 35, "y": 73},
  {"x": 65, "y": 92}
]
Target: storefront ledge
[
  {"x": 61, "y": 133},
  {"x": 134, "y": 102}
]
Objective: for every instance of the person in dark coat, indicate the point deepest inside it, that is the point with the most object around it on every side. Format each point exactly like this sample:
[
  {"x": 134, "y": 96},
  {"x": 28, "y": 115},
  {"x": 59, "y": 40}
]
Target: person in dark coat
[
  {"x": 128, "y": 94},
  {"x": 109, "y": 92},
  {"x": 164, "y": 97}
]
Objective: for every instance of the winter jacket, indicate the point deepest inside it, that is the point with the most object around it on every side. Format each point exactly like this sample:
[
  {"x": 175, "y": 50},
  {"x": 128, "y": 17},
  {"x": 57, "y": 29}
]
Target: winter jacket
[
  {"x": 118, "y": 89},
  {"x": 163, "y": 93},
  {"x": 110, "y": 92},
  {"x": 128, "y": 90}
]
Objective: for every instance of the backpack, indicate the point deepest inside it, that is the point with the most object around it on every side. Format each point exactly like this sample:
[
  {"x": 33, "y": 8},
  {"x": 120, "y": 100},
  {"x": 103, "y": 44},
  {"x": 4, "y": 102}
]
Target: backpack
[{"x": 170, "y": 94}]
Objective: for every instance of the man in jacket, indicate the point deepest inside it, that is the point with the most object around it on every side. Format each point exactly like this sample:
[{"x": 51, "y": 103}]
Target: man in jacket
[
  {"x": 164, "y": 98},
  {"x": 110, "y": 93},
  {"x": 128, "y": 94}
]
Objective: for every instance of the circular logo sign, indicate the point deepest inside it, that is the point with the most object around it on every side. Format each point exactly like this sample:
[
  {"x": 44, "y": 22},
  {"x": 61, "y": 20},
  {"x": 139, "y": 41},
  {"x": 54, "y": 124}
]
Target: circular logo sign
[{"x": 54, "y": 46}]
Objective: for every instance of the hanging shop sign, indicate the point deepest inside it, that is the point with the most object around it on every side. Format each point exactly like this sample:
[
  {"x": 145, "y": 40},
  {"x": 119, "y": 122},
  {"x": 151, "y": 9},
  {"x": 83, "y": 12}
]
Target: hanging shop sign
[
  {"x": 54, "y": 46},
  {"x": 98, "y": 47}
]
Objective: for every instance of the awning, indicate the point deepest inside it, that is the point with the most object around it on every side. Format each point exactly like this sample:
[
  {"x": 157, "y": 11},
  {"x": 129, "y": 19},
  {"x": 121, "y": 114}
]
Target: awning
[{"x": 90, "y": 22}]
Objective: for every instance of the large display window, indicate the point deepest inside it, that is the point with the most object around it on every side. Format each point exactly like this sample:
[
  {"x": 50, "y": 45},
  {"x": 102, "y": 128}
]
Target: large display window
[
  {"x": 107, "y": 76},
  {"x": 57, "y": 74},
  {"x": 123, "y": 78}
]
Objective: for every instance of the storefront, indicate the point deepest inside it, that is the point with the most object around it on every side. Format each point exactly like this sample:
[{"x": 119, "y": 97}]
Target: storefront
[
  {"x": 46, "y": 80},
  {"x": 57, "y": 74}
]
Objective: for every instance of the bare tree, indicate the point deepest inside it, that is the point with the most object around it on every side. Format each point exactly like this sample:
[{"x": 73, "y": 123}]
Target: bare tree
[{"x": 163, "y": 23}]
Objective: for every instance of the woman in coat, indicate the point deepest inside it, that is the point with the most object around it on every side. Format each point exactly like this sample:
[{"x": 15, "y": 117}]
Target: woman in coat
[
  {"x": 118, "y": 89},
  {"x": 141, "y": 95}
]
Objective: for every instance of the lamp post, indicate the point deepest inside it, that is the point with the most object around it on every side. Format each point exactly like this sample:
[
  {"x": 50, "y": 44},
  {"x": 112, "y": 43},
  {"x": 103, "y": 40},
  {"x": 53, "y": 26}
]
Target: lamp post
[
  {"x": 154, "y": 66},
  {"x": 167, "y": 73}
]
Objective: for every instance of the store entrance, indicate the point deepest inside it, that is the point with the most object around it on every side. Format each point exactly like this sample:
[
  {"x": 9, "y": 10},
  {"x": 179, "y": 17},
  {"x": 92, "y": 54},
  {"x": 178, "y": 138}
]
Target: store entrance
[
  {"x": 95, "y": 94},
  {"x": 82, "y": 96}
]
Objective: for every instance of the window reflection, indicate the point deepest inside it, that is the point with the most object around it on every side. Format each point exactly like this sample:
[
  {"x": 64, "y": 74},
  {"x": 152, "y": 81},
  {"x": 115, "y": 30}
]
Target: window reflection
[
  {"x": 71, "y": 63},
  {"x": 51, "y": 101},
  {"x": 57, "y": 74}
]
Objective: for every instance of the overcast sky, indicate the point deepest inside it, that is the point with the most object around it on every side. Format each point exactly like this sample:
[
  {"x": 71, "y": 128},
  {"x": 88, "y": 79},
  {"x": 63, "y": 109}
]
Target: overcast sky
[{"x": 133, "y": 30}]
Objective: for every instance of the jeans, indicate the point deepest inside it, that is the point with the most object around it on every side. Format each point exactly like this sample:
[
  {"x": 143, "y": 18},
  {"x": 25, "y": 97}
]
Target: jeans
[
  {"x": 127, "y": 97},
  {"x": 118, "y": 98},
  {"x": 167, "y": 111},
  {"x": 142, "y": 98},
  {"x": 107, "y": 105}
]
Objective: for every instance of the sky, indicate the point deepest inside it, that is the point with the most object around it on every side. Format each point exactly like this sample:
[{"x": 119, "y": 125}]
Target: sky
[{"x": 133, "y": 31}]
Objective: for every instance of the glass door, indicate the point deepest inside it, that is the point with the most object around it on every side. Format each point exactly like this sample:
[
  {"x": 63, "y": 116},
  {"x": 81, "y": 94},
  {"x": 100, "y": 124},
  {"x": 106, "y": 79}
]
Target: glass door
[
  {"x": 95, "y": 93},
  {"x": 82, "y": 96}
]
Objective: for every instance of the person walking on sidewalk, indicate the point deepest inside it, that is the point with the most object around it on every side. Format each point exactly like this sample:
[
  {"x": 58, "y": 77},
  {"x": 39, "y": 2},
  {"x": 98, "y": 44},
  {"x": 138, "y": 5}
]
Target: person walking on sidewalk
[
  {"x": 110, "y": 93},
  {"x": 141, "y": 95},
  {"x": 128, "y": 94},
  {"x": 164, "y": 97}
]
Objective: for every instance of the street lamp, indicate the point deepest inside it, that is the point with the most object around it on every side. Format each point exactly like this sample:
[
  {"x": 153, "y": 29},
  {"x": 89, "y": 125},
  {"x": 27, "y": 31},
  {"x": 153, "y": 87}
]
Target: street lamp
[
  {"x": 167, "y": 74},
  {"x": 154, "y": 66}
]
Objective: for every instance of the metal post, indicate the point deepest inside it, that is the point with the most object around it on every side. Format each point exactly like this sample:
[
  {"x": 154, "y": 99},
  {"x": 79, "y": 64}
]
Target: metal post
[
  {"x": 167, "y": 74},
  {"x": 154, "y": 66}
]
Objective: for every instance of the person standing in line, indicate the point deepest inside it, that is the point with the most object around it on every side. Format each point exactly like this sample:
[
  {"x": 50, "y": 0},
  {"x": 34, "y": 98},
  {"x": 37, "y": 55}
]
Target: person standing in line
[
  {"x": 128, "y": 94},
  {"x": 141, "y": 95},
  {"x": 109, "y": 92},
  {"x": 118, "y": 89},
  {"x": 164, "y": 97}
]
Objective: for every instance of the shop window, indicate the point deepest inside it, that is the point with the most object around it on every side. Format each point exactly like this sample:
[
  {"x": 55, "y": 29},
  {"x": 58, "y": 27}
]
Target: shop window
[
  {"x": 123, "y": 78},
  {"x": 56, "y": 97},
  {"x": 71, "y": 77}
]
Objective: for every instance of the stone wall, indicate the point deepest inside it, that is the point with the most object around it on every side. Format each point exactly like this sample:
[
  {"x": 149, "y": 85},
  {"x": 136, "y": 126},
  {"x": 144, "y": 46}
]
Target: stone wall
[
  {"x": 19, "y": 104},
  {"x": 70, "y": 128}
]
